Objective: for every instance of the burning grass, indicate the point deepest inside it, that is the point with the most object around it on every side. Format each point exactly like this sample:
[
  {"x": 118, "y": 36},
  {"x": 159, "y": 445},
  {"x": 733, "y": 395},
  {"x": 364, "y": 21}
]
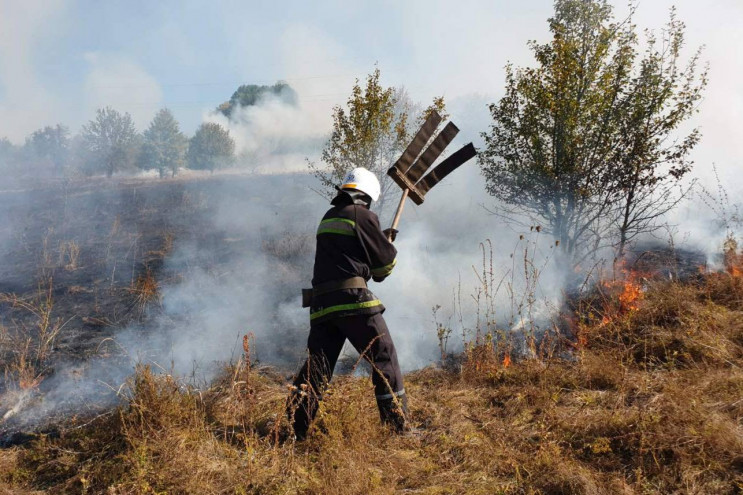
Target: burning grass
[{"x": 652, "y": 403}]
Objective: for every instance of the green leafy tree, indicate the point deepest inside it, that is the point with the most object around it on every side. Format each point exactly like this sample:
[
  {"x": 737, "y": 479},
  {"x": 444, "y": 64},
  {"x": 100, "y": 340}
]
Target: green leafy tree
[
  {"x": 211, "y": 148},
  {"x": 164, "y": 146},
  {"x": 111, "y": 141},
  {"x": 587, "y": 134},
  {"x": 251, "y": 94},
  {"x": 371, "y": 131},
  {"x": 51, "y": 145}
]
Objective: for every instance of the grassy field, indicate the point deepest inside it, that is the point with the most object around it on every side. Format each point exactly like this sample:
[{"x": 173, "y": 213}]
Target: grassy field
[{"x": 650, "y": 401}]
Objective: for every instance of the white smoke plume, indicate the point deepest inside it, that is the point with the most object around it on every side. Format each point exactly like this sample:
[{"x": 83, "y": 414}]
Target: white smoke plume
[{"x": 274, "y": 136}]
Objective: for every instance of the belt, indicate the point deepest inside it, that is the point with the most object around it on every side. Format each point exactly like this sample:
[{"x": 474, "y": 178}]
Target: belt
[
  {"x": 334, "y": 285},
  {"x": 331, "y": 286}
]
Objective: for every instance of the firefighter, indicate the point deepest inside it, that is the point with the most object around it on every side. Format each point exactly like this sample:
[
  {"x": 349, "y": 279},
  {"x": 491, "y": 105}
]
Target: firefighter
[{"x": 351, "y": 249}]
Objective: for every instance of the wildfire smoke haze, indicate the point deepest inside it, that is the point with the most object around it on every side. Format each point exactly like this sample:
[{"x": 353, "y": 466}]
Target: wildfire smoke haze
[{"x": 150, "y": 284}]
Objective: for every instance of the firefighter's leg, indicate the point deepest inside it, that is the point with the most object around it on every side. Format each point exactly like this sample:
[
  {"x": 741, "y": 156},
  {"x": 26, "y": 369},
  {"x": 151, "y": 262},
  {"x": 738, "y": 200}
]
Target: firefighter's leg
[
  {"x": 323, "y": 347},
  {"x": 370, "y": 336}
]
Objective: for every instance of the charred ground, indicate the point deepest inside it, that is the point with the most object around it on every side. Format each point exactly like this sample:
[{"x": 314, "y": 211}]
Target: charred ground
[{"x": 90, "y": 258}]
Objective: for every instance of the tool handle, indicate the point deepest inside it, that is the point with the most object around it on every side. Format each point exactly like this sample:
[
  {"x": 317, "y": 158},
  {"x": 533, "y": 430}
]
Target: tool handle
[{"x": 400, "y": 206}]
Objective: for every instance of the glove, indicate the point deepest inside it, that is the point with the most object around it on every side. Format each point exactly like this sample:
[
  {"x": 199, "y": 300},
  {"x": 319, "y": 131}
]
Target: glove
[{"x": 391, "y": 234}]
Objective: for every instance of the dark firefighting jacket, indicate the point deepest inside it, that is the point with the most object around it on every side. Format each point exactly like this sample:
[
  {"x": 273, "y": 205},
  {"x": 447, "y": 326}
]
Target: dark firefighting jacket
[{"x": 350, "y": 243}]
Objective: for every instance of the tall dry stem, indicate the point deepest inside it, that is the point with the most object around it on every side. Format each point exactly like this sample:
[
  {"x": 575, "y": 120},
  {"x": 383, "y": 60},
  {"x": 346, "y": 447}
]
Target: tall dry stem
[{"x": 31, "y": 345}]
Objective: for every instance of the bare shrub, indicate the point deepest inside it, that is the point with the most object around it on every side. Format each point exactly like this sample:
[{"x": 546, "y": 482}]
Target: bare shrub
[{"x": 732, "y": 258}]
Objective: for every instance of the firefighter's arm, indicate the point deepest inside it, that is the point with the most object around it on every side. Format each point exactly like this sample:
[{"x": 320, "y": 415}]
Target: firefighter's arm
[{"x": 382, "y": 253}]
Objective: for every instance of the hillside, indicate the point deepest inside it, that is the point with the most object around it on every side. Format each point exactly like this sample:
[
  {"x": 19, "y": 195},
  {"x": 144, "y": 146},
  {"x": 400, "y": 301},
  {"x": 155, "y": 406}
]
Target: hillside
[{"x": 647, "y": 401}]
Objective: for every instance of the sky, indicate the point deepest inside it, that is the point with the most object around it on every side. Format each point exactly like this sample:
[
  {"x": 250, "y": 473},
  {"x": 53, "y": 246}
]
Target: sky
[{"x": 62, "y": 59}]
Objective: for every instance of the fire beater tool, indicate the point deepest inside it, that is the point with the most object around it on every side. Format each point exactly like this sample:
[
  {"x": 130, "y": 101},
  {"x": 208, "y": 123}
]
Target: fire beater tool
[{"x": 415, "y": 161}]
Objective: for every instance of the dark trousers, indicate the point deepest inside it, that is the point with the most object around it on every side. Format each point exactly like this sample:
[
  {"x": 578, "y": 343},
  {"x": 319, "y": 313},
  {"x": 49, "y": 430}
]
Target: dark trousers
[{"x": 371, "y": 338}]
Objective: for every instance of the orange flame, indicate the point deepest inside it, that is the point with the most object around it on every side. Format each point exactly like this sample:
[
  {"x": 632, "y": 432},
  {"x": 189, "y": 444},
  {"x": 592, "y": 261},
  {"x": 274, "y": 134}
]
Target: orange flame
[
  {"x": 507, "y": 361},
  {"x": 627, "y": 289},
  {"x": 732, "y": 259},
  {"x": 629, "y": 299},
  {"x": 30, "y": 382}
]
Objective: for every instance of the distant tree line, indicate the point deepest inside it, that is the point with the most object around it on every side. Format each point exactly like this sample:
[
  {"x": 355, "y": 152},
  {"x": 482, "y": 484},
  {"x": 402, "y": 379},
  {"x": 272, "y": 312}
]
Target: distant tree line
[{"x": 110, "y": 144}]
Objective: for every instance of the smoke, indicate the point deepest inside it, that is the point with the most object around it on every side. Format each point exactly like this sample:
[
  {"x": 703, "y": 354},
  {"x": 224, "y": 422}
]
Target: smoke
[
  {"x": 274, "y": 136},
  {"x": 110, "y": 81},
  {"x": 24, "y": 101},
  {"x": 278, "y": 136},
  {"x": 246, "y": 249}
]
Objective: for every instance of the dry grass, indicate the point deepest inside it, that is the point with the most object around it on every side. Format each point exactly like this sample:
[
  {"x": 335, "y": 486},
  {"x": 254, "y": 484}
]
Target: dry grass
[
  {"x": 27, "y": 347},
  {"x": 145, "y": 290},
  {"x": 653, "y": 403}
]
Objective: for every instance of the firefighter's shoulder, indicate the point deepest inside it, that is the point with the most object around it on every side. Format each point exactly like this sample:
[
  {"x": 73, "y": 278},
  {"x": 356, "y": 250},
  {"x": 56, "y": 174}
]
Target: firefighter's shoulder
[{"x": 365, "y": 215}]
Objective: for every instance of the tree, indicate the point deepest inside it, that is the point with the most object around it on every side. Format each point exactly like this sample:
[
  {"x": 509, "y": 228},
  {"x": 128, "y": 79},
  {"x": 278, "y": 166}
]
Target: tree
[
  {"x": 164, "y": 146},
  {"x": 111, "y": 140},
  {"x": 211, "y": 148},
  {"x": 586, "y": 132},
  {"x": 8, "y": 156},
  {"x": 650, "y": 164},
  {"x": 371, "y": 132},
  {"x": 50, "y": 144},
  {"x": 251, "y": 94}
]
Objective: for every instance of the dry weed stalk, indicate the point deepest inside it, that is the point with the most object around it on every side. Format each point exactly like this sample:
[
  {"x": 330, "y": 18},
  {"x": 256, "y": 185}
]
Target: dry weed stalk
[
  {"x": 69, "y": 253},
  {"x": 31, "y": 345},
  {"x": 241, "y": 379},
  {"x": 493, "y": 343},
  {"x": 443, "y": 332},
  {"x": 46, "y": 262}
]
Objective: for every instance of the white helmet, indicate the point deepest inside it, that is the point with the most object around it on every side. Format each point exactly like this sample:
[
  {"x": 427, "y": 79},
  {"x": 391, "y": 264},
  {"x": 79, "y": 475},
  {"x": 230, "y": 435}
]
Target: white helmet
[{"x": 362, "y": 180}]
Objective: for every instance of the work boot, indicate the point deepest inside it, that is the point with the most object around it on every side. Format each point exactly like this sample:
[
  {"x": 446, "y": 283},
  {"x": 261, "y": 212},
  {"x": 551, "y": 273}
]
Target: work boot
[{"x": 393, "y": 411}]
